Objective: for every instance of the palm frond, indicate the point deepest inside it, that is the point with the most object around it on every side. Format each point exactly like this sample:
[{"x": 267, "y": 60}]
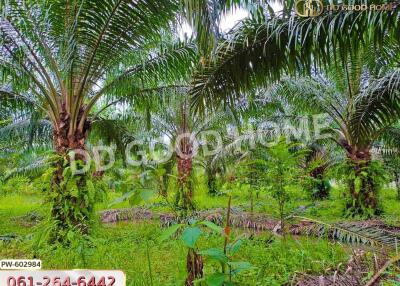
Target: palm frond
[
  {"x": 114, "y": 27},
  {"x": 261, "y": 50},
  {"x": 28, "y": 131},
  {"x": 377, "y": 108},
  {"x": 61, "y": 51},
  {"x": 353, "y": 233},
  {"x": 32, "y": 169},
  {"x": 204, "y": 16},
  {"x": 12, "y": 103},
  {"x": 389, "y": 142},
  {"x": 171, "y": 65}
]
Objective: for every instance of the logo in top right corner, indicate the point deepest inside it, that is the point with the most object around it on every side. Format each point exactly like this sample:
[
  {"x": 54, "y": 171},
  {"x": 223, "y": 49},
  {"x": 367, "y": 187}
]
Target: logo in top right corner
[
  {"x": 309, "y": 8},
  {"x": 314, "y": 8}
]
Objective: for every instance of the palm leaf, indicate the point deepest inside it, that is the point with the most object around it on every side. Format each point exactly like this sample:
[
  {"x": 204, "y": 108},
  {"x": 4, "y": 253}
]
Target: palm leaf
[
  {"x": 353, "y": 233},
  {"x": 33, "y": 169},
  {"x": 377, "y": 108},
  {"x": 261, "y": 50}
]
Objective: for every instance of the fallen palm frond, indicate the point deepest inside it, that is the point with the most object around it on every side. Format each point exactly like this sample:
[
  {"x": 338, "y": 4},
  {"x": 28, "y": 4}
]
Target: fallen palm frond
[
  {"x": 116, "y": 215},
  {"x": 352, "y": 275},
  {"x": 374, "y": 233},
  {"x": 383, "y": 269},
  {"x": 238, "y": 218},
  {"x": 367, "y": 232},
  {"x": 259, "y": 222}
]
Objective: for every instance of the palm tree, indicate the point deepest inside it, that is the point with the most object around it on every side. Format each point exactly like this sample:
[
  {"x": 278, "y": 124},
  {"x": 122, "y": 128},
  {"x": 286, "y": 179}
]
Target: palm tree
[
  {"x": 67, "y": 56},
  {"x": 182, "y": 127},
  {"x": 360, "y": 105},
  {"x": 211, "y": 170},
  {"x": 263, "y": 49}
]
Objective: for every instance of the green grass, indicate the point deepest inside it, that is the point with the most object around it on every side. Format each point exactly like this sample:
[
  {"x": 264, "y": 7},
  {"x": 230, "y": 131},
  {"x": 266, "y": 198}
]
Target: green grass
[
  {"x": 391, "y": 206},
  {"x": 123, "y": 245},
  {"x": 12, "y": 209}
]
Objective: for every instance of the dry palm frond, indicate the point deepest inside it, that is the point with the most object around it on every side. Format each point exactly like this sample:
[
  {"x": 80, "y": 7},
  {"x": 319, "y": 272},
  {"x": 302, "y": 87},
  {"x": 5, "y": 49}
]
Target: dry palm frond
[
  {"x": 373, "y": 233},
  {"x": 370, "y": 233},
  {"x": 238, "y": 218},
  {"x": 126, "y": 214},
  {"x": 382, "y": 270},
  {"x": 353, "y": 274}
]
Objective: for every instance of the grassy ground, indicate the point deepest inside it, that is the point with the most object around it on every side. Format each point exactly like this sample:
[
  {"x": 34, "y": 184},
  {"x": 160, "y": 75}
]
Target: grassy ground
[{"x": 126, "y": 246}]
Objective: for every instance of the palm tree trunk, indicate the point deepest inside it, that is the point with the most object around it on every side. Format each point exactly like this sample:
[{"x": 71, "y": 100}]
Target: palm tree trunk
[
  {"x": 363, "y": 192},
  {"x": 322, "y": 189},
  {"x": 397, "y": 182},
  {"x": 163, "y": 186},
  {"x": 194, "y": 267},
  {"x": 185, "y": 186},
  {"x": 71, "y": 209},
  {"x": 211, "y": 180},
  {"x": 165, "y": 178},
  {"x": 185, "y": 162}
]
